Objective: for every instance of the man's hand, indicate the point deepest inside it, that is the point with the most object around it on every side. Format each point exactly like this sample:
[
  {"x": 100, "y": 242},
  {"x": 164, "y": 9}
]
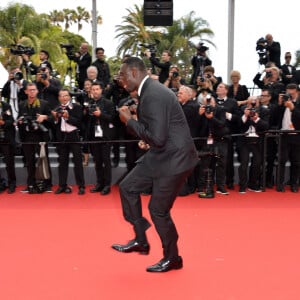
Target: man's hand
[{"x": 125, "y": 114}]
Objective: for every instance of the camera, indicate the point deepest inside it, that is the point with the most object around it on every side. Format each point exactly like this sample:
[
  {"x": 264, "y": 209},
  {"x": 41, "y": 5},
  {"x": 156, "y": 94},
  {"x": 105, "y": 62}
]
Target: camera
[
  {"x": 261, "y": 49},
  {"x": 286, "y": 97},
  {"x": 175, "y": 74},
  {"x": 18, "y": 75},
  {"x": 31, "y": 123},
  {"x": 151, "y": 47},
  {"x": 201, "y": 48},
  {"x": 59, "y": 111},
  {"x": 208, "y": 107},
  {"x": 268, "y": 74},
  {"x": 252, "y": 109},
  {"x": 92, "y": 107},
  {"x": 20, "y": 49},
  {"x": 69, "y": 50}
]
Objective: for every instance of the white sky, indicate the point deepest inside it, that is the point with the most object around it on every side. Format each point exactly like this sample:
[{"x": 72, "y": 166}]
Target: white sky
[{"x": 253, "y": 19}]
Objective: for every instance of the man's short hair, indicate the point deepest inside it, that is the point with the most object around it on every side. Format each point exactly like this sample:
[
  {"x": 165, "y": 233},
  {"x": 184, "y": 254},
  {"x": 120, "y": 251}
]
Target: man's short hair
[{"x": 45, "y": 52}]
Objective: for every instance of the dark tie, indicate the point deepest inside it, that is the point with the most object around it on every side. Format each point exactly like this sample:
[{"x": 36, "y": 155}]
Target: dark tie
[{"x": 220, "y": 101}]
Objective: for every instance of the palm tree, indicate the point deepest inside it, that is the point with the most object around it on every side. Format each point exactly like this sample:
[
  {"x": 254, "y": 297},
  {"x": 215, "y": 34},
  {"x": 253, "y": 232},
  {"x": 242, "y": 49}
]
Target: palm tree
[
  {"x": 79, "y": 15},
  {"x": 20, "y": 24},
  {"x": 68, "y": 17},
  {"x": 56, "y": 17},
  {"x": 134, "y": 32},
  {"x": 177, "y": 38}
]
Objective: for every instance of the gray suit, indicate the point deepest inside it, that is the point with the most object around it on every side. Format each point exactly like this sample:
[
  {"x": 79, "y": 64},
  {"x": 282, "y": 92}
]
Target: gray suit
[{"x": 164, "y": 167}]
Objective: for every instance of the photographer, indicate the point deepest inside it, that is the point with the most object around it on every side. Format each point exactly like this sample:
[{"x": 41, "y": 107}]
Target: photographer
[
  {"x": 33, "y": 69},
  {"x": 83, "y": 60},
  {"x": 48, "y": 87},
  {"x": 174, "y": 81},
  {"x": 164, "y": 65},
  {"x": 253, "y": 125},
  {"x": 288, "y": 117},
  {"x": 209, "y": 73},
  {"x": 14, "y": 90},
  {"x": 67, "y": 119},
  {"x": 100, "y": 129},
  {"x": 34, "y": 116},
  {"x": 103, "y": 67},
  {"x": 7, "y": 144},
  {"x": 212, "y": 126},
  {"x": 269, "y": 78},
  {"x": 199, "y": 61},
  {"x": 116, "y": 93}
]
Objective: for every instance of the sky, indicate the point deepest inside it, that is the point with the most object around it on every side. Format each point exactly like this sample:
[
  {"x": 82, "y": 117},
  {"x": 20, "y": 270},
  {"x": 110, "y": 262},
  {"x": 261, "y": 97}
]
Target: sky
[{"x": 253, "y": 19}]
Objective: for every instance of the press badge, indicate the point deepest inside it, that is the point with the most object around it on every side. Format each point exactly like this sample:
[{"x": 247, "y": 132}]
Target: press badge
[
  {"x": 98, "y": 131},
  {"x": 210, "y": 140}
]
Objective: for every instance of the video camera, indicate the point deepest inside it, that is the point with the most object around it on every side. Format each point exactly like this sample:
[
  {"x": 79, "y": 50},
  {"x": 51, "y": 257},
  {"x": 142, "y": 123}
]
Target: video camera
[
  {"x": 261, "y": 49},
  {"x": 69, "y": 50},
  {"x": 20, "y": 49},
  {"x": 201, "y": 48},
  {"x": 31, "y": 123},
  {"x": 152, "y": 48}
]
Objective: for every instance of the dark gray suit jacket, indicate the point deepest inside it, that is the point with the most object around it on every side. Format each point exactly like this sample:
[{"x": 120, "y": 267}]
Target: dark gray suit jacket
[{"x": 162, "y": 124}]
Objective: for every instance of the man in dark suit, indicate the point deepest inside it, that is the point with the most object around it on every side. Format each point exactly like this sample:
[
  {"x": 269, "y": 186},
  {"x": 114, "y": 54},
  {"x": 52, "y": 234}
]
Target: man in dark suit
[
  {"x": 68, "y": 118},
  {"x": 83, "y": 60},
  {"x": 7, "y": 143},
  {"x": 288, "y": 112},
  {"x": 171, "y": 157},
  {"x": 34, "y": 116},
  {"x": 100, "y": 129},
  {"x": 287, "y": 70}
]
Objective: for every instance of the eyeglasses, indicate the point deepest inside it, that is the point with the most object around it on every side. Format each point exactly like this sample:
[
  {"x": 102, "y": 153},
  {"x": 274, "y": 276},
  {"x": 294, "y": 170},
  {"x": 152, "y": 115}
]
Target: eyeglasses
[{"x": 288, "y": 57}]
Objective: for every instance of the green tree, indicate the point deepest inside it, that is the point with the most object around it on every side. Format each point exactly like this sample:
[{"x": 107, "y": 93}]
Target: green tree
[
  {"x": 20, "y": 24},
  {"x": 178, "y": 38}
]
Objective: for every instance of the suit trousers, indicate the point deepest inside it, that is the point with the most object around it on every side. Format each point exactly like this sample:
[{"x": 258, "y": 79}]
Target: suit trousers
[
  {"x": 164, "y": 192},
  {"x": 9, "y": 159},
  {"x": 101, "y": 155},
  {"x": 64, "y": 150}
]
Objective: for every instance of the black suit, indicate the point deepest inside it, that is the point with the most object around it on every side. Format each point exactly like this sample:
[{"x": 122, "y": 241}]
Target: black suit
[
  {"x": 83, "y": 62},
  {"x": 287, "y": 70},
  {"x": 290, "y": 146},
  {"x": 64, "y": 134},
  {"x": 7, "y": 142},
  {"x": 164, "y": 167},
  {"x": 31, "y": 136},
  {"x": 100, "y": 149}
]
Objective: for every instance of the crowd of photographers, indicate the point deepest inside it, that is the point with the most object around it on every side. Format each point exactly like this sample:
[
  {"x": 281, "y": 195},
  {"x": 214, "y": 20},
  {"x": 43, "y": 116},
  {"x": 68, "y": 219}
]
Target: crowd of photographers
[{"x": 225, "y": 121}]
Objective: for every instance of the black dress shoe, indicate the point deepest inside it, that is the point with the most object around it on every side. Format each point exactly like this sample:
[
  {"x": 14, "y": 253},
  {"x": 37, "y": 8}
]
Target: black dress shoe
[
  {"x": 280, "y": 188},
  {"x": 11, "y": 189},
  {"x": 166, "y": 265},
  {"x": 132, "y": 246},
  {"x": 105, "y": 190},
  {"x": 81, "y": 191},
  {"x": 68, "y": 190},
  {"x": 60, "y": 190},
  {"x": 294, "y": 189},
  {"x": 96, "y": 188}
]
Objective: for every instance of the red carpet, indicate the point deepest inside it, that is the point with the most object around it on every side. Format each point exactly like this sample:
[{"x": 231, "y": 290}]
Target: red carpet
[{"x": 236, "y": 247}]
